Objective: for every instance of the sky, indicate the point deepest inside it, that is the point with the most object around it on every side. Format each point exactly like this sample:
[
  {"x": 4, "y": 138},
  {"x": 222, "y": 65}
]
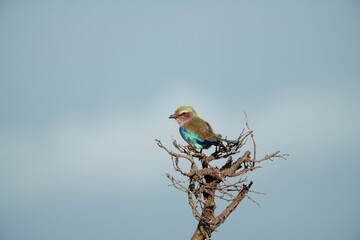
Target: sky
[{"x": 87, "y": 86}]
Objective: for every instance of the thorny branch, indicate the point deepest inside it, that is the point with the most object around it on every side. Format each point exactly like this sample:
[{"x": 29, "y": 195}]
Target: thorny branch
[{"x": 206, "y": 183}]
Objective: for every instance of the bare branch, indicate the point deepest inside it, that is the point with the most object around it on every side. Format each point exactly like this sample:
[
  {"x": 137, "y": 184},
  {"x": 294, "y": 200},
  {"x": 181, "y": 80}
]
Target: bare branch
[
  {"x": 229, "y": 171},
  {"x": 271, "y": 157},
  {"x": 253, "y": 201},
  {"x": 252, "y": 135},
  {"x": 229, "y": 209}
]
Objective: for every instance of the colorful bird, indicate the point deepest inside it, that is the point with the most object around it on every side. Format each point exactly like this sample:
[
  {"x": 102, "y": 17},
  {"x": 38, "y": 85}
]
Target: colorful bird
[{"x": 194, "y": 130}]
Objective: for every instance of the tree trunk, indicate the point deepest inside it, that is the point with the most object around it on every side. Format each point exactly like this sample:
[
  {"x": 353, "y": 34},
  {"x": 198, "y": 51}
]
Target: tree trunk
[
  {"x": 204, "y": 228},
  {"x": 198, "y": 235}
]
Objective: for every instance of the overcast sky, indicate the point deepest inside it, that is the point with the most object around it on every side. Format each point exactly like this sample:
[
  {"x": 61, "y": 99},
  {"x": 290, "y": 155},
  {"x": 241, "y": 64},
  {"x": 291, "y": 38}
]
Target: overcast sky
[{"x": 86, "y": 87}]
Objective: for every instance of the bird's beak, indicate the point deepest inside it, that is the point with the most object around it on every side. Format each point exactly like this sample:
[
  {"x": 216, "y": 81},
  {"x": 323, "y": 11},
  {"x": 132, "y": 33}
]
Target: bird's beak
[{"x": 173, "y": 116}]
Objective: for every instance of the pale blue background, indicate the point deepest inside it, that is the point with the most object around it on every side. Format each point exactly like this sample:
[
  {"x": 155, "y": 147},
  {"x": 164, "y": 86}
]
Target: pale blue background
[{"x": 86, "y": 87}]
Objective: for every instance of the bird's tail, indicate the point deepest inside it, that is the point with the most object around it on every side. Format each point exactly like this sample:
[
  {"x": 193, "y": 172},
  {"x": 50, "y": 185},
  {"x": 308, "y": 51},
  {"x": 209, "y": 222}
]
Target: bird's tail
[
  {"x": 228, "y": 141},
  {"x": 221, "y": 139}
]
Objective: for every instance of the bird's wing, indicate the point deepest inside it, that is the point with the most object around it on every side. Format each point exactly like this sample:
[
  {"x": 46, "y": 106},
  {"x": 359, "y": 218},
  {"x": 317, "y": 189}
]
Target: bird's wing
[
  {"x": 202, "y": 129},
  {"x": 209, "y": 128},
  {"x": 193, "y": 139}
]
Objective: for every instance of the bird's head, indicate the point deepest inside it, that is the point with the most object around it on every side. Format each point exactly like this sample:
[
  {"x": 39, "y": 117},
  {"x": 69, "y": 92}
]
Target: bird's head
[{"x": 183, "y": 114}]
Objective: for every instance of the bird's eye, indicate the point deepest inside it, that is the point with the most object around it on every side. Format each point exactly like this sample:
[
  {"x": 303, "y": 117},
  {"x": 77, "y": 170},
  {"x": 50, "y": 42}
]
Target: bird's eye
[{"x": 183, "y": 113}]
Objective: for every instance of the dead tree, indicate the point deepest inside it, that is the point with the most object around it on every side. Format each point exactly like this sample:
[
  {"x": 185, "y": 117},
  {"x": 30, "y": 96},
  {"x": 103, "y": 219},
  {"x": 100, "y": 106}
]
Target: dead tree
[{"x": 204, "y": 183}]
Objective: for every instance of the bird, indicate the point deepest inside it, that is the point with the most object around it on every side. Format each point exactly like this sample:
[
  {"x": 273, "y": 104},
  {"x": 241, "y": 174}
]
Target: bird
[{"x": 194, "y": 130}]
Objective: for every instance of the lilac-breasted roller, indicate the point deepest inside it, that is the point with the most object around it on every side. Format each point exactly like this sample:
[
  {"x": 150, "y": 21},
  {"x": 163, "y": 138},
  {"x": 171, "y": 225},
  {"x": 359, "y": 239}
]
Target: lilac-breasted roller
[{"x": 194, "y": 130}]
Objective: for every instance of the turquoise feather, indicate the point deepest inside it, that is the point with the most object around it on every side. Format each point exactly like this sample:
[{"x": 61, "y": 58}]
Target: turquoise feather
[{"x": 194, "y": 140}]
